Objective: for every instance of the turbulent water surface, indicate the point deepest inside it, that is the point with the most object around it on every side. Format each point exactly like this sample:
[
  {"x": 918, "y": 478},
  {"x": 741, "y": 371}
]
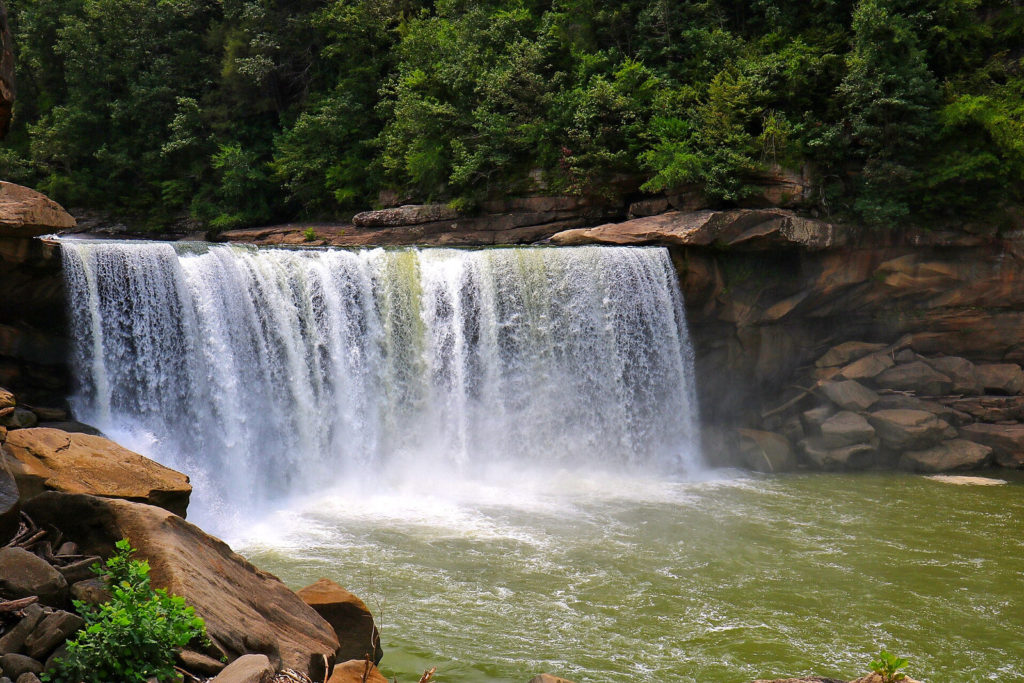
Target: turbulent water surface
[{"x": 497, "y": 450}]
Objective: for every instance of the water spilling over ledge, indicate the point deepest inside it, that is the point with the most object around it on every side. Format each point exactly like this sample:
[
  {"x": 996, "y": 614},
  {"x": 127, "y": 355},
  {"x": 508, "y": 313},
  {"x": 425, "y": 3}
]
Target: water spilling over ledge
[{"x": 266, "y": 373}]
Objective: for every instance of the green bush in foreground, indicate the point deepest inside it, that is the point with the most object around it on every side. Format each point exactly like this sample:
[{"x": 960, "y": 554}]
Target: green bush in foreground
[{"x": 133, "y": 636}]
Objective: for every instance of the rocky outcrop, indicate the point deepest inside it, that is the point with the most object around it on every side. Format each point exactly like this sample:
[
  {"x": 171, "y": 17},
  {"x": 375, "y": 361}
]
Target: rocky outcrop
[
  {"x": 549, "y": 678},
  {"x": 27, "y": 213},
  {"x": 356, "y": 671},
  {"x": 43, "y": 459},
  {"x": 348, "y": 616},
  {"x": 247, "y": 669},
  {"x": 246, "y": 611}
]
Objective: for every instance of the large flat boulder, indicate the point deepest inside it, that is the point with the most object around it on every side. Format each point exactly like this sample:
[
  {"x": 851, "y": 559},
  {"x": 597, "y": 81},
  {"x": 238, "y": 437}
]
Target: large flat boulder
[
  {"x": 855, "y": 457},
  {"x": 868, "y": 367},
  {"x": 410, "y": 214},
  {"x": 27, "y": 213},
  {"x": 1006, "y": 379},
  {"x": 847, "y": 352},
  {"x": 903, "y": 430},
  {"x": 918, "y": 377},
  {"x": 1006, "y": 441},
  {"x": 43, "y": 459},
  {"x": 356, "y": 671},
  {"x": 846, "y": 429},
  {"x": 955, "y": 454},
  {"x": 247, "y": 611},
  {"x": 22, "y": 574},
  {"x": 849, "y": 395},
  {"x": 961, "y": 372}
]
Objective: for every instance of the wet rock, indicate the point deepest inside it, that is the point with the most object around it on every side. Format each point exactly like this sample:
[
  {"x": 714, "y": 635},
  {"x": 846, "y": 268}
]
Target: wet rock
[
  {"x": 813, "y": 419},
  {"x": 903, "y": 430},
  {"x": 348, "y": 616},
  {"x": 356, "y": 671},
  {"x": 849, "y": 395},
  {"x": 246, "y": 669},
  {"x": 846, "y": 429},
  {"x": 857, "y": 456},
  {"x": 19, "y": 418},
  {"x": 54, "y": 629},
  {"x": 961, "y": 372},
  {"x": 766, "y": 451},
  {"x": 867, "y": 367},
  {"x": 246, "y": 610},
  {"x": 72, "y": 426},
  {"x": 956, "y": 454},
  {"x": 13, "y": 642},
  {"x": 904, "y": 402},
  {"x": 549, "y": 678},
  {"x": 1006, "y": 441},
  {"x": 27, "y": 213},
  {"x": 847, "y": 352},
  {"x": 80, "y": 570},
  {"x": 48, "y": 459},
  {"x": 918, "y": 377},
  {"x": 1005, "y": 379},
  {"x": 14, "y": 666},
  {"x": 990, "y": 408},
  {"x": 23, "y": 574}
]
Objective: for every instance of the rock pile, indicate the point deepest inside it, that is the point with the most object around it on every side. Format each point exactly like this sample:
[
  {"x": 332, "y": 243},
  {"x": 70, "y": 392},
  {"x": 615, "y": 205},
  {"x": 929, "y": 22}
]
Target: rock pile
[{"x": 880, "y": 406}]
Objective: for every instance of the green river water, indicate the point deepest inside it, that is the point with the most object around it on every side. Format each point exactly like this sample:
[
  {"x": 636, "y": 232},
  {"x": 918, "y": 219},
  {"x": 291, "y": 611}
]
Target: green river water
[{"x": 630, "y": 579}]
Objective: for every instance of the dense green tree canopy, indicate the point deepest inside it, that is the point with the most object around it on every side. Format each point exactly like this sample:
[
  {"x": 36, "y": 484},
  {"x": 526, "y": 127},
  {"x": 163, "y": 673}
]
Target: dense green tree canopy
[{"x": 238, "y": 112}]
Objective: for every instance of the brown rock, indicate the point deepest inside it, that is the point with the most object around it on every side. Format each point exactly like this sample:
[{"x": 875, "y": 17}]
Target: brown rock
[
  {"x": 918, "y": 377},
  {"x": 849, "y": 395},
  {"x": 549, "y": 678},
  {"x": 348, "y": 616},
  {"x": 847, "y": 352},
  {"x": 956, "y": 454},
  {"x": 247, "y": 669},
  {"x": 766, "y": 451},
  {"x": 648, "y": 207},
  {"x": 15, "y": 666},
  {"x": 1006, "y": 441},
  {"x": 410, "y": 214},
  {"x": 7, "y": 399},
  {"x": 23, "y": 574},
  {"x": 92, "y": 591},
  {"x": 18, "y": 418},
  {"x": 10, "y": 506},
  {"x": 846, "y": 429},
  {"x": 27, "y": 213},
  {"x": 857, "y": 456},
  {"x": 13, "y": 641},
  {"x": 198, "y": 663},
  {"x": 1006, "y": 379},
  {"x": 809, "y": 679},
  {"x": 356, "y": 671},
  {"x": 815, "y": 417},
  {"x": 867, "y": 367},
  {"x": 961, "y": 372},
  {"x": 245, "y": 610},
  {"x": 49, "y": 459},
  {"x": 904, "y": 430},
  {"x": 991, "y": 408},
  {"x": 50, "y": 632}
]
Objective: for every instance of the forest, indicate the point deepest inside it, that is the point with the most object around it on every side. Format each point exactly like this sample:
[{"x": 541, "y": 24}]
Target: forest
[{"x": 244, "y": 112}]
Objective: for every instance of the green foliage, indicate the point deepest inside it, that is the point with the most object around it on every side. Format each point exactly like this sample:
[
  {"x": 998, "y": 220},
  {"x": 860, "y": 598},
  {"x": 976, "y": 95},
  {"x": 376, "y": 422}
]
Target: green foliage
[
  {"x": 887, "y": 666},
  {"x": 248, "y": 111},
  {"x": 133, "y": 636},
  {"x": 309, "y": 234}
]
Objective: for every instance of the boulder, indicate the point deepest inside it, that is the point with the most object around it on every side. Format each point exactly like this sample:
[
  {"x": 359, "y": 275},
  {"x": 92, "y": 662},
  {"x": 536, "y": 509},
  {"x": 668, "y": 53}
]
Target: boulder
[
  {"x": 23, "y": 574},
  {"x": 348, "y": 616},
  {"x": 50, "y": 632},
  {"x": 247, "y": 669},
  {"x": 198, "y": 663},
  {"x": 918, "y": 377},
  {"x": 956, "y": 454},
  {"x": 245, "y": 610},
  {"x": 847, "y": 352},
  {"x": 815, "y": 417},
  {"x": 961, "y": 372},
  {"x": 49, "y": 459},
  {"x": 867, "y": 367},
  {"x": 7, "y": 399},
  {"x": 846, "y": 429},
  {"x": 15, "y": 666},
  {"x": 903, "y": 430},
  {"x": 857, "y": 456},
  {"x": 1005, "y": 379},
  {"x": 10, "y": 507},
  {"x": 13, "y": 641},
  {"x": 18, "y": 418},
  {"x": 766, "y": 451},
  {"x": 849, "y": 395},
  {"x": 991, "y": 408},
  {"x": 905, "y": 402},
  {"x": 410, "y": 214},
  {"x": 356, "y": 671},
  {"x": 28, "y": 677},
  {"x": 549, "y": 678},
  {"x": 1006, "y": 441},
  {"x": 27, "y": 213},
  {"x": 93, "y": 591}
]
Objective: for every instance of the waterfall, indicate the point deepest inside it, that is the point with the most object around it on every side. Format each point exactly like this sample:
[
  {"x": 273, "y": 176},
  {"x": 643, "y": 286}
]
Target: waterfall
[{"x": 267, "y": 372}]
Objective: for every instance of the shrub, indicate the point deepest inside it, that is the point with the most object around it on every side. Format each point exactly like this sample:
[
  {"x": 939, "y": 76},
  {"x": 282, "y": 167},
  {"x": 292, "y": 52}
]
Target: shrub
[
  {"x": 133, "y": 636},
  {"x": 887, "y": 666}
]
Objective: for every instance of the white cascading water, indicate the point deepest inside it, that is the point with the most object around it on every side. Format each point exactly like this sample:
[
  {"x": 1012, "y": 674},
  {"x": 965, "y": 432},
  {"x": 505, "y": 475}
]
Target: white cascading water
[{"x": 266, "y": 373}]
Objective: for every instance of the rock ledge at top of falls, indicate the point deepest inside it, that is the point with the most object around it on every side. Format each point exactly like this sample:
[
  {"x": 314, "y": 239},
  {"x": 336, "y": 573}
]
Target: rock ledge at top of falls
[
  {"x": 737, "y": 228},
  {"x": 27, "y": 213}
]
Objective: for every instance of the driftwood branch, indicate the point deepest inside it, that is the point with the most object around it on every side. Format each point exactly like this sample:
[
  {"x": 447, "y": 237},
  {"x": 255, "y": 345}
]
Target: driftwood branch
[
  {"x": 791, "y": 402},
  {"x": 8, "y": 606}
]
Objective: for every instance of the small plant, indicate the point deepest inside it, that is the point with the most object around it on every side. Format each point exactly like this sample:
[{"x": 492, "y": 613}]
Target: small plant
[
  {"x": 133, "y": 636},
  {"x": 309, "y": 234},
  {"x": 887, "y": 666}
]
